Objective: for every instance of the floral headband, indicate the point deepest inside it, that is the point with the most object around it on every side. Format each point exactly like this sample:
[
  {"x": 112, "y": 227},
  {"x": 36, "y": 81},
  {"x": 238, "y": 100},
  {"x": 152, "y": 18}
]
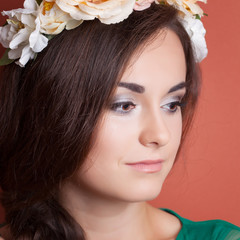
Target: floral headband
[{"x": 29, "y": 29}]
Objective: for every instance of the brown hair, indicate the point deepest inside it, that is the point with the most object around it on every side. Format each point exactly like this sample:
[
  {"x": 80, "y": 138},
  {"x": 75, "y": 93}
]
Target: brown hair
[{"x": 49, "y": 110}]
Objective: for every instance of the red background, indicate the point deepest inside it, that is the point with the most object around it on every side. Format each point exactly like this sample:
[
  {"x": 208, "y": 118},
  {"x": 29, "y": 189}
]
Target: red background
[{"x": 205, "y": 182}]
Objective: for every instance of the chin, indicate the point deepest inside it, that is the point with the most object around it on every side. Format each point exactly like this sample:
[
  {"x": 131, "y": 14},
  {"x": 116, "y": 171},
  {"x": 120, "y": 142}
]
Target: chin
[{"x": 144, "y": 193}]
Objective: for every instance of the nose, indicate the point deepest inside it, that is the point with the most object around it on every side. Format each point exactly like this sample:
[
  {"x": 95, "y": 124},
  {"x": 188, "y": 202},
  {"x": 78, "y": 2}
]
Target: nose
[{"x": 154, "y": 131}]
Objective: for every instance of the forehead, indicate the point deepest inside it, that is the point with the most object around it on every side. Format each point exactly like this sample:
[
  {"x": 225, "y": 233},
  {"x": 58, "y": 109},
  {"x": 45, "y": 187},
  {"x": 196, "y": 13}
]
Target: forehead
[{"x": 161, "y": 62}]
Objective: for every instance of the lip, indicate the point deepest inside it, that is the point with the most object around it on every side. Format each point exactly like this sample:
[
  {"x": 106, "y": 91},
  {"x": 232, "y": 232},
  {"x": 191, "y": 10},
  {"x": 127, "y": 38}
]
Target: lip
[{"x": 147, "y": 166}]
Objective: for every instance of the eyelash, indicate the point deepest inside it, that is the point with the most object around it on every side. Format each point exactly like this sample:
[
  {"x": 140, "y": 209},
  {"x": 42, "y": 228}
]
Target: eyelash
[
  {"x": 176, "y": 105},
  {"x": 172, "y": 107},
  {"x": 116, "y": 105}
]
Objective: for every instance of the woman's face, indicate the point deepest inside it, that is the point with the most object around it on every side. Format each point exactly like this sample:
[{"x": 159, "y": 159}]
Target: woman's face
[{"x": 138, "y": 138}]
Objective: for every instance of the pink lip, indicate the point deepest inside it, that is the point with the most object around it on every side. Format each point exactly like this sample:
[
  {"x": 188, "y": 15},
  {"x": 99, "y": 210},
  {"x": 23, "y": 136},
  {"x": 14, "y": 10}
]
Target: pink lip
[{"x": 147, "y": 166}]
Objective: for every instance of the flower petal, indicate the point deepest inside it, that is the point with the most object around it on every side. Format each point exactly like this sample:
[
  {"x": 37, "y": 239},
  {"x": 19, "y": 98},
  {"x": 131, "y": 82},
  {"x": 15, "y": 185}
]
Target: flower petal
[
  {"x": 20, "y": 37},
  {"x": 141, "y": 5},
  {"x": 196, "y": 32},
  {"x": 73, "y": 24},
  {"x": 108, "y": 11},
  {"x": 4, "y": 35},
  {"x": 31, "y": 4},
  {"x": 26, "y": 55},
  {"x": 37, "y": 42},
  {"x": 28, "y": 19},
  {"x": 15, "y": 53}
]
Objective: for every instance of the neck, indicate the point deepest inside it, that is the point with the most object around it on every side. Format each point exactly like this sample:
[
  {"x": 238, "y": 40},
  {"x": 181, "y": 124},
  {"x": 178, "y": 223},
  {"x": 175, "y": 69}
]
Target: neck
[{"x": 104, "y": 218}]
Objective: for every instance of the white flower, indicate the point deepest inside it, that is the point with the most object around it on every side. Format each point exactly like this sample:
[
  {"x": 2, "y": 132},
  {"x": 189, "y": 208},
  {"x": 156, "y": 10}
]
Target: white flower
[
  {"x": 22, "y": 34},
  {"x": 6, "y": 34},
  {"x": 196, "y": 32},
  {"x": 54, "y": 20},
  {"x": 188, "y": 7},
  {"x": 142, "y": 4},
  {"x": 107, "y": 11}
]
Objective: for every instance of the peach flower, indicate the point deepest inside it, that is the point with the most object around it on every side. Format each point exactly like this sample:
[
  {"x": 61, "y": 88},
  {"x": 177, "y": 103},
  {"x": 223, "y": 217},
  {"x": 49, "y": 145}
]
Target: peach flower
[
  {"x": 107, "y": 11},
  {"x": 54, "y": 20},
  {"x": 142, "y": 4},
  {"x": 188, "y": 7}
]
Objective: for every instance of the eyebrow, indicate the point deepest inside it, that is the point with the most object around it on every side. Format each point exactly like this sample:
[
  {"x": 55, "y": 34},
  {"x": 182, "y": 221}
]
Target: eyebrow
[
  {"x": 140, "y": 89},
  {"x": 177, "y": 87},
  {"x": 133, "y": 87}
]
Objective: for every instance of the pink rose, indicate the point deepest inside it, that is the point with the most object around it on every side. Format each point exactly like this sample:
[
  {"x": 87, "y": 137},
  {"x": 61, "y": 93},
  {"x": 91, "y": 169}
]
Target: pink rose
[{"x": 142, "y": 4}]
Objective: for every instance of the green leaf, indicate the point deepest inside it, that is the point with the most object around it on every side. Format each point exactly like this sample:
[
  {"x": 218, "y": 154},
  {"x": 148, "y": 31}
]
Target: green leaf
[
  {"x": 198, "y": 17},
  {"x": 205, "y": 14},
  {"x": 5, "y": 60},
  {"x": 49, "y": 37},
  {"x": 39, "y": 2}
]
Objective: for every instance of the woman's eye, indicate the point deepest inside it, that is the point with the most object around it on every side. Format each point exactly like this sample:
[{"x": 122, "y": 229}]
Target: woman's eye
[
  {"x": 173, "y": 106},
  {"x": 123, "y": 107}
]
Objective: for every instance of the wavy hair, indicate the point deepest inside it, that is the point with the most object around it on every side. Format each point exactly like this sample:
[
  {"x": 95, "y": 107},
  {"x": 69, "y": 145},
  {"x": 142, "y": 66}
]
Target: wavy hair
[{"x": 50, "y": 108}]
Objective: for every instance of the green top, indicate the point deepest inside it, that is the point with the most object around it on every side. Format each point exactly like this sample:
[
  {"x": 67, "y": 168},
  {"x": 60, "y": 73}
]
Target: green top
[{"x": 206, "y": 230}]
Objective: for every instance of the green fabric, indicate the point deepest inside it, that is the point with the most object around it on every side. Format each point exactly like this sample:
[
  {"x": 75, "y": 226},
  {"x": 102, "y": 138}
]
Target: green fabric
[{"x": 206, "y": 230}]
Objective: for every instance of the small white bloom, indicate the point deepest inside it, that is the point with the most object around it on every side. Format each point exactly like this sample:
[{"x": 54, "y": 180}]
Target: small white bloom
[
  {"x": 54, "y": 20},
  {"x": 22, "y": 34},
  {"x": 108, "y": 11},
  {"x": 196, "y": 32},
  {"x": 6, "y": 34},
  {"x": 188, "y": 7}
]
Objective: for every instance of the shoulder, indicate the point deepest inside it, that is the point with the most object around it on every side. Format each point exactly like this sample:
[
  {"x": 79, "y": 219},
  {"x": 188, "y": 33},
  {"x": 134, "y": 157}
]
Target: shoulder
[
  {"x": 211, "y": 229},
  {"x": 164, "y": 225},
  {"x": 223, "y": 230}
]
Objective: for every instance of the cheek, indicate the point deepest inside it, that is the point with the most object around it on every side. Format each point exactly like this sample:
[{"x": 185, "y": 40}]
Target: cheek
[
  {"x": 104, "y": 172},
  {"x": 174, "y": 125},
  {"x": 111, "y": 144},
  {"x": 114, "y": 139},
  {"x": 177, "y": 128}
]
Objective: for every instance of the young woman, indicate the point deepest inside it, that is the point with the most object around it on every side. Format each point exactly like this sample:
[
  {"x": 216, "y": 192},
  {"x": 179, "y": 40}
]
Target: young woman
[{"x": 92, "y": 123}]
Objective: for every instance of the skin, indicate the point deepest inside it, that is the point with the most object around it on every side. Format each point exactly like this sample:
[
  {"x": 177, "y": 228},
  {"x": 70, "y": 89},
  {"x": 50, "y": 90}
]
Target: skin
[{"x": 107, "y": 197}]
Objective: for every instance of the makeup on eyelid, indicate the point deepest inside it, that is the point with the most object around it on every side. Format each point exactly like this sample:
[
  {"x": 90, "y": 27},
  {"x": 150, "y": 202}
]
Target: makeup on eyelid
[{"x": 171, "y": 104}]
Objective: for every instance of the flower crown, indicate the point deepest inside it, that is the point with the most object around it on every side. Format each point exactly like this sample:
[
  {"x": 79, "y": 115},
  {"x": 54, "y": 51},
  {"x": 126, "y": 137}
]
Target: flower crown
[{"x": 29, "y": 29}]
